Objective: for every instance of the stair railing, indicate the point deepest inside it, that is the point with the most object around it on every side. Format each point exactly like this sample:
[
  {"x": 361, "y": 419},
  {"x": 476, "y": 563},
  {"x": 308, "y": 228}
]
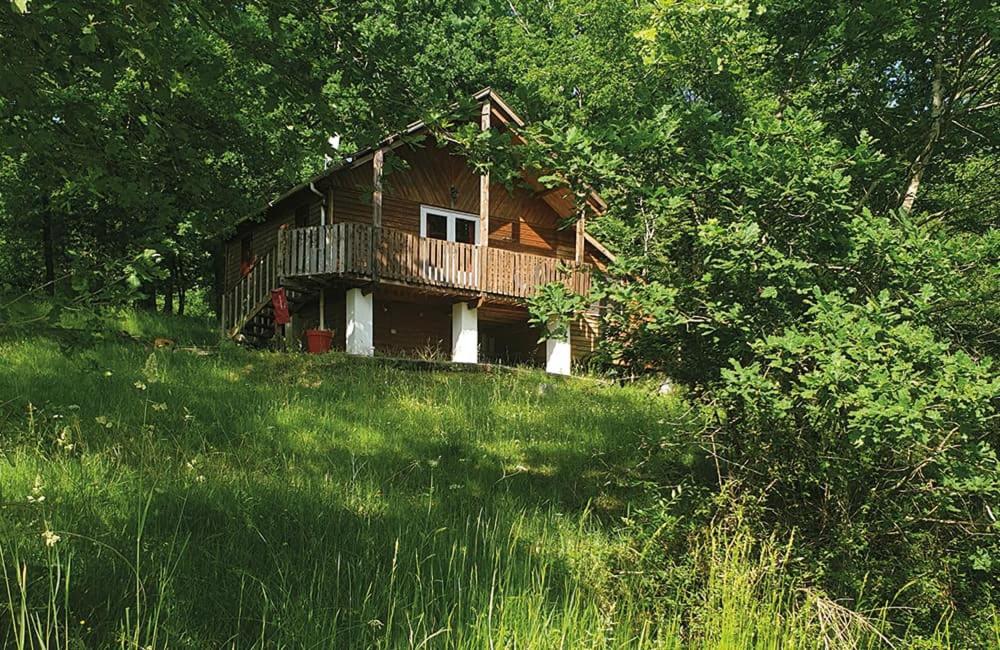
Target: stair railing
[{"x": 250, "y": 293}]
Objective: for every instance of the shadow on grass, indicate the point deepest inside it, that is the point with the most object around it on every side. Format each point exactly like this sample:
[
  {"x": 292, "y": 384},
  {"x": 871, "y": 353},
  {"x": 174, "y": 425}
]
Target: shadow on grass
[{"x": 278, "y": 499}]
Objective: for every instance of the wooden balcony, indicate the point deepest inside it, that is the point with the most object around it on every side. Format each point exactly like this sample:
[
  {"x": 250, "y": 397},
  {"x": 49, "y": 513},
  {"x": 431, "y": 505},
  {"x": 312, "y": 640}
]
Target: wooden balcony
[
  {"x": 304, "y": 258},
  {"x": 360, "y": 251}
]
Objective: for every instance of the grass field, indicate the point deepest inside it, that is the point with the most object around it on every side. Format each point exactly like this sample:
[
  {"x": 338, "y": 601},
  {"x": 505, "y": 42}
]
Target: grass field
[{"x": 199, "y": 497}]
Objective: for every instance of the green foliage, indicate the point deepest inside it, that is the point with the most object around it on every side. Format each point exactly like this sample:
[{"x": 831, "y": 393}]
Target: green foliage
[
  {"x": 766, "y": 218},
  {"x": 197, "y": 497},
  {"x": 94, "y": 288},
  {"x": 868, "y": 431},
  {"x": 762, "y": 153},
  {"x": 552, "y": 309},
  {"x": 803, "y": 183},
  {"x": 127, "y": 127}
]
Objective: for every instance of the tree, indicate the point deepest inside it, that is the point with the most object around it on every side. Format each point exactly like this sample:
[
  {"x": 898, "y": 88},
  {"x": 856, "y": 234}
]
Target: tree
[
  {"x": 806, "y": 232},
  {"x": 124, "y": 124}
]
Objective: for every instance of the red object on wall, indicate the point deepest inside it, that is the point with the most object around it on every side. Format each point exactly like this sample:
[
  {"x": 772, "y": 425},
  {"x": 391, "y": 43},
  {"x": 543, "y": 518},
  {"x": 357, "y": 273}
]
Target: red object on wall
[
  {"x": 280, "y": 303},
  {"x": 318, "y": 341}
]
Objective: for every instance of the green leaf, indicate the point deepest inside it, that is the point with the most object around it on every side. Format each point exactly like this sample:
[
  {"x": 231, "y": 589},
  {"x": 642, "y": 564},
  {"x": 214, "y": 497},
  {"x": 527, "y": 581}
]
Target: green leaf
[{"x": 648, "y": 34}]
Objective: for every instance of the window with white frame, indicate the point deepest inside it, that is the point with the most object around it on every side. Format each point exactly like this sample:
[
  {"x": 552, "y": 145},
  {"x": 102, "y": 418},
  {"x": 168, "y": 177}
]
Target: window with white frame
[{"x": 449, "y": 225}]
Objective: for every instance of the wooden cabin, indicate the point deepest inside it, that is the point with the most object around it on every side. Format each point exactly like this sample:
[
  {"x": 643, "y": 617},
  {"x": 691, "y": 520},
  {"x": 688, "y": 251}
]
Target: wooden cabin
[{"x": 428, "y": 260}]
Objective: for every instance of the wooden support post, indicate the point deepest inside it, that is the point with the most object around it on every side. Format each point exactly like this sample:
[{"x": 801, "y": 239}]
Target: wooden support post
[
  {"x": 329, "y": 206},
  {"x": 484, "y": 202},
  {"x": 289, "y": 333},
  {"x": 581, "y": 229},
  {"x": 322, "y": 308},
  {"x": 282, "y": 253},
  {"x": 378, "y": 161}
]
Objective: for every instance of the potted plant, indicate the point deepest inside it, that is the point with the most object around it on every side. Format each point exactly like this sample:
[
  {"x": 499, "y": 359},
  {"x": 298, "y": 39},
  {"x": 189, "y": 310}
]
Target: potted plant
[{"x": 318, "y": 341}]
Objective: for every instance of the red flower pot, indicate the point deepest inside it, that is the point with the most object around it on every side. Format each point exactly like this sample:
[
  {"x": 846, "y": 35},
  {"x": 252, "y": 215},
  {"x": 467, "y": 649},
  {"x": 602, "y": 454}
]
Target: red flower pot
[{"x": 318, "y": 341}]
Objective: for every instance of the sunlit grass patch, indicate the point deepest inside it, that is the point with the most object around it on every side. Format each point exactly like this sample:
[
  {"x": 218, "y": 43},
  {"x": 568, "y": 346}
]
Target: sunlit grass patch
[
  {"x": 173, "y": 498},
  {"x": 200, "y": 497}
]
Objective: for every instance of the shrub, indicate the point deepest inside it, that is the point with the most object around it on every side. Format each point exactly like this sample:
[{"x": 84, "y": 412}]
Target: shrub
[
  {"x": 879, "y": 440},
  {"x": 553, "y": 308}
]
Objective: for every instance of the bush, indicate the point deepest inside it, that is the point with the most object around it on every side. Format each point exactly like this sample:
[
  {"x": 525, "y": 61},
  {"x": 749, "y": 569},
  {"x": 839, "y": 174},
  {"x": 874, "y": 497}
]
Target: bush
[{"x": 879, "y": 440}]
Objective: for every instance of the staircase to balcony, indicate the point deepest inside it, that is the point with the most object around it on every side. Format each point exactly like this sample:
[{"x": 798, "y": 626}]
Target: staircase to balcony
[{"x": 305, "y": 259}]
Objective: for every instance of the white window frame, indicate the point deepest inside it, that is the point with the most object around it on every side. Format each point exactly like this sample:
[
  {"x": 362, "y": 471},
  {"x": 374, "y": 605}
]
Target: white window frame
[{"x": 451, "y": 215}]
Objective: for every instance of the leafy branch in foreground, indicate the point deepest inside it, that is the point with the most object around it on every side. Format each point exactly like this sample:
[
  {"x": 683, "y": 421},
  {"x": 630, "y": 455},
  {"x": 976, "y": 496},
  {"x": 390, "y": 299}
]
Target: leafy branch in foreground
[{"x": 553, "y": 308}]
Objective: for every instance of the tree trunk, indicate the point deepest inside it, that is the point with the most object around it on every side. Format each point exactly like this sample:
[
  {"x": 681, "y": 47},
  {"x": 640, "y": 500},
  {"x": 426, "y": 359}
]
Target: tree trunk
[
  {"x": 168, "y": 298},
  {"x": 180, "y": 285},
  {"x": 924, "y": 157},
  {"x": 54, "y": 251},
  {"x": 168, "y": 293},
  {"x": 48, "y": 253},
  {"x": 149, "y": 301}
]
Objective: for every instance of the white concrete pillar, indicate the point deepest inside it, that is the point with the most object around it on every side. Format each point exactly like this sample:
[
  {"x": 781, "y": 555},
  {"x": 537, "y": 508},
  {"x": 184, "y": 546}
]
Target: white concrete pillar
[
  {"x": 360, "y": 330},
  {"x": 464, "y": 333},
  {"x": 558, "y": 356}
]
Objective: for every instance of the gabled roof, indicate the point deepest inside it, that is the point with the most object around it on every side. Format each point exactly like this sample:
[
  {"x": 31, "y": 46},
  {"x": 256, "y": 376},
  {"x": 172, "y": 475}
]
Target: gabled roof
[{"x": 559, "y": 199}]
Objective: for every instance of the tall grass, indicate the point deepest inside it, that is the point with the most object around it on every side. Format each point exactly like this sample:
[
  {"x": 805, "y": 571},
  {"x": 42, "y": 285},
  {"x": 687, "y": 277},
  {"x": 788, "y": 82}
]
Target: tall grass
[
  {"x": 473, "y": 590},
  {"x": 194, "y": 498},
  {"x": 474, "y": 587}
]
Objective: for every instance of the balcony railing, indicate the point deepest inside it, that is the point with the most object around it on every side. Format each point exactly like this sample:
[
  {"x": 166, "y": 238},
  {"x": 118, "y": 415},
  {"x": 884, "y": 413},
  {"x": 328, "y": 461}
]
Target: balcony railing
[{"x": 363, "y": 251}]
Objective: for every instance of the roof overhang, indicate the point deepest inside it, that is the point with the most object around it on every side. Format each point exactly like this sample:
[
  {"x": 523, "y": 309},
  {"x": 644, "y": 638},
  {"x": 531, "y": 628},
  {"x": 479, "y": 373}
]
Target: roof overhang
[{"x": 500, "y": 109}]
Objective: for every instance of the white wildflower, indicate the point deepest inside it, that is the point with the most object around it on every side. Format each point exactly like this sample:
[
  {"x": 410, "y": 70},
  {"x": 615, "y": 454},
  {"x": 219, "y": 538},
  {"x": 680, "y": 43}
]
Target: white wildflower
[
  {"x": 63, "y": 441},
  {"x": 51, "y": 539},
  {"x": 36, "y": 495}
]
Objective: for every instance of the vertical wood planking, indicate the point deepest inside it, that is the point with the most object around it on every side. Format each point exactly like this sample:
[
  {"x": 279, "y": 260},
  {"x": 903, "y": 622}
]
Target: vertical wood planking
[
  {"x": 360, "y": 249},
  {"x": 378, "y": 160},
  {"x": 484, "y": 182}
]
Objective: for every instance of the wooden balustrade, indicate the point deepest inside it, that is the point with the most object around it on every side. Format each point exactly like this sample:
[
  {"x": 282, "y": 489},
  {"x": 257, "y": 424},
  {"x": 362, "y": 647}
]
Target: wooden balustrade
[
  {"x": 363, "y": 251},
  {"x": 338, "y": 249},
  {"x": 511, "y": 273},
  {"x": 412, "y": 259}
]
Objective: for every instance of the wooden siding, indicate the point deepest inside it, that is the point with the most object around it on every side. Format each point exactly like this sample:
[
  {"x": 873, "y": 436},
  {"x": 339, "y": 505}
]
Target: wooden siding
[
  {"x": 307, "y": 317},
  {"x": 509, "y": 342},
  {"x": 401, "y": 328},
  {"x": 411, "y": 329},
  {"x": 519, "y": 221},
  {"x": 265, "y": 233},
  {"x": 585, "y": 333},
  {"x": 407, "y": 328}
]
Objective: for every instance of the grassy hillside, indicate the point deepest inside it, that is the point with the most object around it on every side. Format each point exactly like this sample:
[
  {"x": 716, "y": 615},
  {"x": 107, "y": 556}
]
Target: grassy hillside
[
  {"x": 195, "y": 497},
  {"x": 207, "y": 498}
]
